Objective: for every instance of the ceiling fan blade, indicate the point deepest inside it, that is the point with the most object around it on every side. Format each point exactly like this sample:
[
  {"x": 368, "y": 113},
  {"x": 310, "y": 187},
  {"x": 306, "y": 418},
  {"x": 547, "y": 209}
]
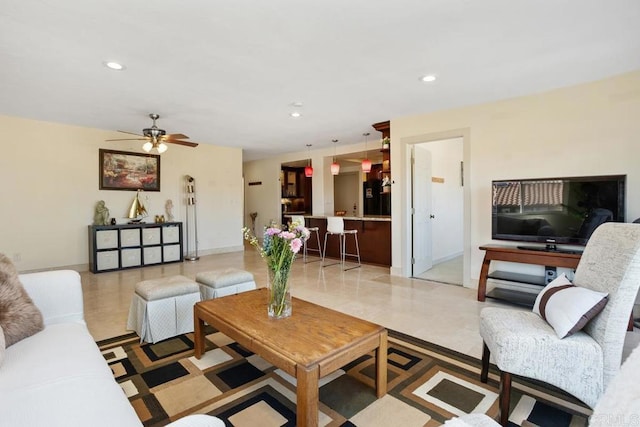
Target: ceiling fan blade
[
  {"x": 176, "y": 136},
  {"x": 127, "y": 139},
  {"x": 177, "y": 141},
  {"x": 130, "y": 133}
]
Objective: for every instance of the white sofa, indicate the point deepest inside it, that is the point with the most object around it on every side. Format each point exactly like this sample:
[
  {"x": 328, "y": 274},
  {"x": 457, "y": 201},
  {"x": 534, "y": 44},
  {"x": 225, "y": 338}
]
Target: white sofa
[{"x": 58, "y": 377}]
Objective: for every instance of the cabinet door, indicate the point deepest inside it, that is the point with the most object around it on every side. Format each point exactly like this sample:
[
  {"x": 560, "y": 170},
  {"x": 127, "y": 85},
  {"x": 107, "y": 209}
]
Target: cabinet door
[
  {"x": 152, "y": 255},
  {"x": 131, "y": 257},
  {"x": 170, "y": 234},
  {"x": 107, "y": 260},
  {"x": 130, "y": 237},
  {"x": 151, "y": 236},
  {"x": 106, "y": 239},
  {"x": 171, "y": 253}
]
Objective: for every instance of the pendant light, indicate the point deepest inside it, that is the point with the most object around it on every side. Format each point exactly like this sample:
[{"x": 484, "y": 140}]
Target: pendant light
[
  {"x": 308, "y": 170},
  {"x": 335, "y": 166},
  {"x": 366, "y": 163}
]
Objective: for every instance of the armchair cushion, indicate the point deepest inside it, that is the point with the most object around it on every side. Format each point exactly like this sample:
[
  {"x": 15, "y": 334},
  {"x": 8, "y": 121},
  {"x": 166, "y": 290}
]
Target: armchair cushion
[
  {"x": 522, "y": 343},
  {"x": 19, "y": 317},
  {"x": 568, "y": 308}
]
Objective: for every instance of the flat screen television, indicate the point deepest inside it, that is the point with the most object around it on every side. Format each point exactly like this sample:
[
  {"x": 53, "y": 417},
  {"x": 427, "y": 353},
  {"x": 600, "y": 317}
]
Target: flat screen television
[{"x": 555, "y": 210}]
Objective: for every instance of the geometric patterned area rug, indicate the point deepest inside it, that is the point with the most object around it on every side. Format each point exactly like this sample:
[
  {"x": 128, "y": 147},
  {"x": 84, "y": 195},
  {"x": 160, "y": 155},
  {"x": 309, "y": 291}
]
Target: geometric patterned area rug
[{"x": 427, "y": 385}]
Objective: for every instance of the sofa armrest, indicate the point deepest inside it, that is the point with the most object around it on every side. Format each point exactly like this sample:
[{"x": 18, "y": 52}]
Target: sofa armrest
[{"x": 58, "y": 295}]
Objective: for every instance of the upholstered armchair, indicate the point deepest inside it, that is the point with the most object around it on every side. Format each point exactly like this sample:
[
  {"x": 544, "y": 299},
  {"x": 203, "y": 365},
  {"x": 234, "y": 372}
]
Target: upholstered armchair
[{"x": 583, "y": 363}]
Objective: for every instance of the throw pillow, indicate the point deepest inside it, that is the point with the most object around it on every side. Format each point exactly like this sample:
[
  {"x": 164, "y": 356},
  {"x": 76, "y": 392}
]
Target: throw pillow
[
  {"x": 566, "y": 307},
  {"x": 19, "y": 317}
]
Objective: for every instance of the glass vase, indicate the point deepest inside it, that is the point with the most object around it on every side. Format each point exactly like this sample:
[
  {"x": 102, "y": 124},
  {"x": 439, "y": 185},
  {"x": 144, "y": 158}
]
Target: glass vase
[{"x": 279, "y": 294}]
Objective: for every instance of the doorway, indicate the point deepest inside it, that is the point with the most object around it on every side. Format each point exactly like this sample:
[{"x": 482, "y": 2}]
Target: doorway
[{"x": 437, "y": 202}]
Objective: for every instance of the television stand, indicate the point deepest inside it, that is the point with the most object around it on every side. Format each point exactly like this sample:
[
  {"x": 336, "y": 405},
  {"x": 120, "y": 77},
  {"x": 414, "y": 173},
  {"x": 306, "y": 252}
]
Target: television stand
[
  {"x": 549, "y": 248},
  {"x": 524, "y": 256}
]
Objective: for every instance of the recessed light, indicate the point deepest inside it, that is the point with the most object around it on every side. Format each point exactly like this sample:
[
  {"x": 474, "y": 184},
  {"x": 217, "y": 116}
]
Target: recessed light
[
  {"x": 428, "y": 78},
  {"x": 114, "y": 66},
  {"x": 295, "y": 114},
  {"x": 296, "y": 104}
]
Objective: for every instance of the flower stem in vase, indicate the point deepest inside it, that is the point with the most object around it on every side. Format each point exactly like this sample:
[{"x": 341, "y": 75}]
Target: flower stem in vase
[{"x": 279, "y": 303}]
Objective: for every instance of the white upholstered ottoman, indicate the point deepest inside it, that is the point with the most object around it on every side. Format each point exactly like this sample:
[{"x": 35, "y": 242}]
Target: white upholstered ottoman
[
  {"x": 223, "y": 282},
  {"x": 163, "y": 308}
]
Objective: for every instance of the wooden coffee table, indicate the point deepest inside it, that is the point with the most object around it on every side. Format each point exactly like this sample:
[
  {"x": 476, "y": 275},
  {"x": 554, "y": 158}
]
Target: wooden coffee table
[{"x": 313, "y": 342}]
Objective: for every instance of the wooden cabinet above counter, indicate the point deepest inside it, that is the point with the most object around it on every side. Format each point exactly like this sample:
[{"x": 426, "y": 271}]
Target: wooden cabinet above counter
[
  {"x": 294, "y": 183},
  {"x": 296, "y": 192}
]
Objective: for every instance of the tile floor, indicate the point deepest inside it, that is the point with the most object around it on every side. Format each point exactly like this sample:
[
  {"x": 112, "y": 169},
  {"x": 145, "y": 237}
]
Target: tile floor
[
  {"x": 449, "y": 272},
  {"x": 443, "y": 314}
]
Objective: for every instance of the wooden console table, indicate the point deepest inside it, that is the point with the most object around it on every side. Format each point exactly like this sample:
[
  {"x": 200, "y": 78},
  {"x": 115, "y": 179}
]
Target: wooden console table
[{"x": 524, "y": 256}]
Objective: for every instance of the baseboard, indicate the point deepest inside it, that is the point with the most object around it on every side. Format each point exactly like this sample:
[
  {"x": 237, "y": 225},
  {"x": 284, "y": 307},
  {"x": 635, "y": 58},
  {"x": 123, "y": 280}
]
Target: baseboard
[
  {"x": 447, "y": 258},
  {"x": 396, "y": 271},
  {"x": 224, "y": 250}
]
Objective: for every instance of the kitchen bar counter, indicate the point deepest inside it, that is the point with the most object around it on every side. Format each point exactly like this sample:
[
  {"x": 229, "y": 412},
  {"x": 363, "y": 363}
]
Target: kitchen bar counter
[
  {"x": 374, "y": 237},
  {"x": 355, "y": 218}
]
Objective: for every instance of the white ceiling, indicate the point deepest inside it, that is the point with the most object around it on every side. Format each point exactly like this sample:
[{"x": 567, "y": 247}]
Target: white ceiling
[{"x": 226, "y": 72}]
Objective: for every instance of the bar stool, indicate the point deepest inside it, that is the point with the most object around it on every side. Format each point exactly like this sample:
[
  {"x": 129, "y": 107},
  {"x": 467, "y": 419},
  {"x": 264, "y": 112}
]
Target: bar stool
[
  {"x": 299, "y": 219},
  {"x": 335, "y": 225}
]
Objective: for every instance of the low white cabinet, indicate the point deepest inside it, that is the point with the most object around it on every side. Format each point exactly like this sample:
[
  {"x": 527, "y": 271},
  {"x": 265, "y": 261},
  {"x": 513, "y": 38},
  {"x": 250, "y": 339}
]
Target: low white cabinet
[{"x": 115, "y": 247}]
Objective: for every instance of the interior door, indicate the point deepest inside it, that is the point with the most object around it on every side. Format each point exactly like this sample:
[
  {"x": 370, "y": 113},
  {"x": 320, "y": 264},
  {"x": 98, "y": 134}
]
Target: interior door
[{"x": 421, "y": 212}]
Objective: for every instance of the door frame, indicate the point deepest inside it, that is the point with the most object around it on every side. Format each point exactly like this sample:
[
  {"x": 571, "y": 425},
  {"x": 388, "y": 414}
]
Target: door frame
[{"x": 406, "y": 224}]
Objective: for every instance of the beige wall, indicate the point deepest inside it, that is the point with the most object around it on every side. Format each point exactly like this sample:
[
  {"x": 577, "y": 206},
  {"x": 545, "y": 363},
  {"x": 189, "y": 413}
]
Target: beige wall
[
  {"x": 590, "y": 129},
  {"x": 346, "y": 192},
  {"x": 49, "y": 175}
]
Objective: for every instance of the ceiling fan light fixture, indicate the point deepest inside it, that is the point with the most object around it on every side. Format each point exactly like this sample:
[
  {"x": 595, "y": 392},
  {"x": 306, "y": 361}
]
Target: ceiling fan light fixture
[{"x": 157, "y": 138}]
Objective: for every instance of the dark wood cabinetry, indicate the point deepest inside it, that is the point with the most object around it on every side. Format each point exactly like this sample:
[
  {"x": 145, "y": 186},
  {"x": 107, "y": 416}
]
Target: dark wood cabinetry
[
  {"x": 377, "y": 188},
  {"x": 293, "y": 182},
  {"x": 295, "y": 192},
  {"x": 374, "y": 239}
]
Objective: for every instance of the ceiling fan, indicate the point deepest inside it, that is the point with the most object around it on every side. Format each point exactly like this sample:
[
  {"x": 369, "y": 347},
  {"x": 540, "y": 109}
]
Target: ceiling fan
[{"x": 157, "y": 138}]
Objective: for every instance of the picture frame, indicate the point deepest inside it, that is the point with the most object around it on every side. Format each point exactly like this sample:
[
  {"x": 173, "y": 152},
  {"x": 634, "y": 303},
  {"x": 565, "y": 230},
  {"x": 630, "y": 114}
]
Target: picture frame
[{"x": 122, "y": 170}]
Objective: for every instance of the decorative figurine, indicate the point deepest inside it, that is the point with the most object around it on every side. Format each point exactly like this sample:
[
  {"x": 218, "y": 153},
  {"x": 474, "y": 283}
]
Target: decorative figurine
[
  {"x": 169, "y": 208},
  {"x": 253, "y": 216},
  {"x": 101, "y": 214}
]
